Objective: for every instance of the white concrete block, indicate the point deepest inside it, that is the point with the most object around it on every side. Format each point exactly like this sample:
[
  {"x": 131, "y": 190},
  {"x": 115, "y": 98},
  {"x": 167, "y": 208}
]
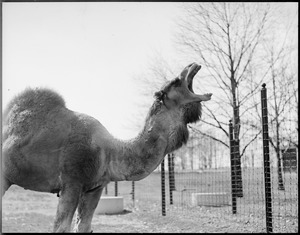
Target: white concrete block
[
  {"x": 110, "y": 205},
  {"x": 210, "y": 199}
]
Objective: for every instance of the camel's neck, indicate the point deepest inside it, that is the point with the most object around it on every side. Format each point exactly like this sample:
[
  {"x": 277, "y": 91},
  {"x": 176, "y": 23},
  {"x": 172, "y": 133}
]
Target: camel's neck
[{"x": 137, "y": 158}]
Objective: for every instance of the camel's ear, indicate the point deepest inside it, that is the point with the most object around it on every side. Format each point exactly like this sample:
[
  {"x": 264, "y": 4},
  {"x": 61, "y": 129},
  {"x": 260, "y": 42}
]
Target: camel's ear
[{"x": 159, "y": 95}]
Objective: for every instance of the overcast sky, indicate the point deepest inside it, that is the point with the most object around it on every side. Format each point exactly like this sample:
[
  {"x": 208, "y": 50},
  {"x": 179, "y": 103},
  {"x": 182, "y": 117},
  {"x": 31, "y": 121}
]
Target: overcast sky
[{"x": 88, "y": 52}]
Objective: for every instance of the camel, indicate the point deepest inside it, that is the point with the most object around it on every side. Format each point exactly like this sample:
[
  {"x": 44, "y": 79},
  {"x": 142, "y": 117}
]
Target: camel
[{"x": 49, "y": 148}]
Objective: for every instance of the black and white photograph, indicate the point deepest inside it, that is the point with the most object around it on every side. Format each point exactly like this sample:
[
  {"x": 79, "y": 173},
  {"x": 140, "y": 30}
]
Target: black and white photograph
[{"x": 149, "y": 117}]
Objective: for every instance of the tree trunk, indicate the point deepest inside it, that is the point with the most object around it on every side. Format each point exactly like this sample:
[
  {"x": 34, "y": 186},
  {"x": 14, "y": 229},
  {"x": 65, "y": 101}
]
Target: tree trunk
[
  {"x": 191, "y": 151},
  {"x": 279, "y": 168},
  {"x": 277, "y": 147},
  {"x": 238, "y": 169},
  {"x": 236, "y": 132}
]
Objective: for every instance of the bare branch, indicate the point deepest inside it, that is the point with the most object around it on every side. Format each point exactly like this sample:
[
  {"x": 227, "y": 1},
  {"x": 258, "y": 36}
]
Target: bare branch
[
  {"x": 246, "y": 145},
  {"x": 208, "y": 135}
]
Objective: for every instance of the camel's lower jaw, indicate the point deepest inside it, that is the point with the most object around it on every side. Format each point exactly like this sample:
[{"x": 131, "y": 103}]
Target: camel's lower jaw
[{"x": 204, "y": 97}]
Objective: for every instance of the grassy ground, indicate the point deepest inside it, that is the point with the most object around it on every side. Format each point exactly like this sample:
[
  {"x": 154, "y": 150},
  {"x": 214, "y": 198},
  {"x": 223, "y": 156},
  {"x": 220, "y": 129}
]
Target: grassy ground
[
  {"x": 28, "y": 211},
  {"x": 251, "y": 206}
]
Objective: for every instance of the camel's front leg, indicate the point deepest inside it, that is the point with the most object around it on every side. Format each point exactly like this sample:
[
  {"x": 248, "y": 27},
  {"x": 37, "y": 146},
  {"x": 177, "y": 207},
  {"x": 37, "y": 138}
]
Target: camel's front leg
[
  {"x": 85, "y": 211},
  {"x": 68, "y": 201}
]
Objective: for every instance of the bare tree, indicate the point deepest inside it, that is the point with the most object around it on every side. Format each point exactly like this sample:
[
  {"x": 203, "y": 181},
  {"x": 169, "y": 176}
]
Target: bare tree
[
  {"x": 295, "y": 111},
  {"x": 226, "y": 37},
  {"x": 281, "y": 103},
  {"x": 280, "y": 53}
]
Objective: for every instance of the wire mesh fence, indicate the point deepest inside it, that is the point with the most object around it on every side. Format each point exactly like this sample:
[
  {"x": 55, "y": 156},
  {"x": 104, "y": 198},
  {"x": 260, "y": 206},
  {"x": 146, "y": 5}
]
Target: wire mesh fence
[{"x": 259, "y": 189}]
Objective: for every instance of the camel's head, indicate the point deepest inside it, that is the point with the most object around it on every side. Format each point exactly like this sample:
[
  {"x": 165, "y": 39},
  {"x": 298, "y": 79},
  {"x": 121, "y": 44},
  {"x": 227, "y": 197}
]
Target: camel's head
[
  {"x": 176, "y": 105},
  {"x": 178, "y": 93}
]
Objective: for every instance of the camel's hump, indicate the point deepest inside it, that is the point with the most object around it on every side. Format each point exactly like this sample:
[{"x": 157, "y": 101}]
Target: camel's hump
[
  {"x": 36, "y": 98},
  {"x": 28, "y": 111}
]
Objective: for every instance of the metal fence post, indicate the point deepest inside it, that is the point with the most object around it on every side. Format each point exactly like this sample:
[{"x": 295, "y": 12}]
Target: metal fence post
[
  {"x": 170, "y": 178},
  {"x": 132, "y": 196},
  {"x": 106, "y": 191},
  {"x": 267, "y": 173},
  {"x": 173, "y": 172},
  {"x": 116, "y": 188},
  {"x": 233, "y": 170},
  {"x": 163, "y": 193}
]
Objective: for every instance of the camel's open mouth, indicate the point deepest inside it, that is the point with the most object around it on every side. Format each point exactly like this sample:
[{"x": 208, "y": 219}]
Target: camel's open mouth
[
  {"x": 187, "y": 76},
  {"x": 193, "y": 70},
  {"x": 185, "y": 82}
]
